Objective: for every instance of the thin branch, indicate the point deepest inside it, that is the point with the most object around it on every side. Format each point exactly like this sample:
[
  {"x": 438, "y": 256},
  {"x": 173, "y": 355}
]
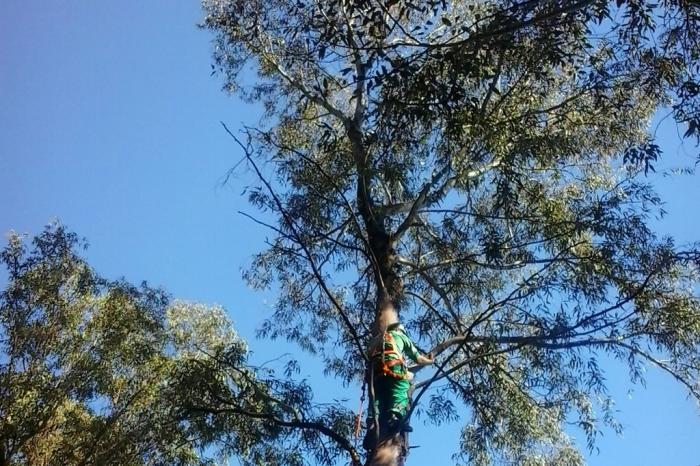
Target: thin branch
[
  {"x": 292, "y": 226},
  {"x": 341, "y": 441}
]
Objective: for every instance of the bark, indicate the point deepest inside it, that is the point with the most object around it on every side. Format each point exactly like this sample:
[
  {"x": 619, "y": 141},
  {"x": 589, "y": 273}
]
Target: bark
[{"x": 391, "y": 450}]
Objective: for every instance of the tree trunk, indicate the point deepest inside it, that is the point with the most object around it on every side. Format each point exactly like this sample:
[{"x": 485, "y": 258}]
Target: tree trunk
[{"x": 391, "y": 450}]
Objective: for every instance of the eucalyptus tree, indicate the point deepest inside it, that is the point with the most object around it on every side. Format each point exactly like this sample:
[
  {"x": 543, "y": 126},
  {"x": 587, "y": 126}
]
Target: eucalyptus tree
[
  {"x": 96, "y": 372},
  {"x": 478, "y": 167}
]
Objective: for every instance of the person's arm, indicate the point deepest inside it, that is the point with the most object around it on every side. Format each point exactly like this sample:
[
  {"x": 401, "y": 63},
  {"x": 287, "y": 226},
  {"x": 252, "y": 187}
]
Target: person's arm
[
  {"x": 412, "y": 352},
  {"x": 425, "y": 360}
]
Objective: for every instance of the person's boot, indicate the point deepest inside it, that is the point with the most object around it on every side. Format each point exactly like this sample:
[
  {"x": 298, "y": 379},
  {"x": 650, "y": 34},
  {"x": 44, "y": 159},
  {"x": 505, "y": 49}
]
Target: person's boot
[{"x": 399, "y": 424}]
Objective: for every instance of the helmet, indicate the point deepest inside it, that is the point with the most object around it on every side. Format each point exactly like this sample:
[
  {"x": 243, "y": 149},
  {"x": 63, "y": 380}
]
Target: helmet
[{"x": 396, "y": 326}]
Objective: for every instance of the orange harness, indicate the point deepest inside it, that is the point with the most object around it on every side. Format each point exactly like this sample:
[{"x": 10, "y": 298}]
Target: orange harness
[{"x": 385, "y": 367}]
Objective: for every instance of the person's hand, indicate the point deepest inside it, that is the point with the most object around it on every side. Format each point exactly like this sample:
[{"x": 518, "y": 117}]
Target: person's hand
[{"x": 426, "y": 360}]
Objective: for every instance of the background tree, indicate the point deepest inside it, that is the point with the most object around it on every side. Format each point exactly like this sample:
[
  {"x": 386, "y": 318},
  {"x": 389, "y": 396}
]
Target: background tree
[
  {"x": 477, "y": 165},
  {"x": 96, "y": 372}
]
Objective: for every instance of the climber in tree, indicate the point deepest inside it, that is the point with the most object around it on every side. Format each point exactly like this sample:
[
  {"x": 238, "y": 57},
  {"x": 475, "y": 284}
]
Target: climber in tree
[{"x": 391, "y": 379}]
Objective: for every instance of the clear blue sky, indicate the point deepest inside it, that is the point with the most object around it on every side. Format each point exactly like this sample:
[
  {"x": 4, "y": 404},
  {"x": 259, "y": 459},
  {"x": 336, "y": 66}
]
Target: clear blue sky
[{"x": 109, "y": 120}]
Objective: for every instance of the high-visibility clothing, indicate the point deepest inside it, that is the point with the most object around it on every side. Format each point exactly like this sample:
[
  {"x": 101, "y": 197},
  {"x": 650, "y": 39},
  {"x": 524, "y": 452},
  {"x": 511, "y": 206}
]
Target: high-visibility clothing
[{"x": 391, "y": 378}]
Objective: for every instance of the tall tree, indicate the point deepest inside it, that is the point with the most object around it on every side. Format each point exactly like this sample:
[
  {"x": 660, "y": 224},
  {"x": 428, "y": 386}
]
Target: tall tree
[{"x": 478, "y": 166}]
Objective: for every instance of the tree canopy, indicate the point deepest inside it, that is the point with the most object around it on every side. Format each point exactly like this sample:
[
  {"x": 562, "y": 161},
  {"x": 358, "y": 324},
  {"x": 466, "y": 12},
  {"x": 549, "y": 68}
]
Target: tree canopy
[
  {"x": 478, "y": 167},
  {"x": 96, "y": 372}
]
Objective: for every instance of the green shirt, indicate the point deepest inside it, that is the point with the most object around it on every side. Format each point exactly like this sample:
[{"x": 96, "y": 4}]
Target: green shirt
[{"x": 404, "y": 345}]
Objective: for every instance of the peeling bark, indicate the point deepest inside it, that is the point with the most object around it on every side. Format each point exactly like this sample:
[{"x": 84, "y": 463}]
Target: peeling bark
[{"x": 390, "y": 452}]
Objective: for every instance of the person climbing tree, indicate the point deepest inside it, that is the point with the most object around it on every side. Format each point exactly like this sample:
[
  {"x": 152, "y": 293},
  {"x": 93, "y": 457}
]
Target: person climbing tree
[{"x": 391, "y": 382}]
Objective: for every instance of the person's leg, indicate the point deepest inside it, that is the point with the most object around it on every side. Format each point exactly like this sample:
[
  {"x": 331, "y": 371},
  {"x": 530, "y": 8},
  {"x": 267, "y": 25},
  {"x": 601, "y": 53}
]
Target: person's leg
[
  {"x": 382, "y": 409},
  {"x": 399, "y": 404},
  {"x": 399, "y": 396},
  {"x": 383, "y": 392}
]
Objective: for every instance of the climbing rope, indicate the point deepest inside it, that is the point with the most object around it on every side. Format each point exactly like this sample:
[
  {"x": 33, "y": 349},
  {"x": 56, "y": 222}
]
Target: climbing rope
[{"x": 358, "y": 418}]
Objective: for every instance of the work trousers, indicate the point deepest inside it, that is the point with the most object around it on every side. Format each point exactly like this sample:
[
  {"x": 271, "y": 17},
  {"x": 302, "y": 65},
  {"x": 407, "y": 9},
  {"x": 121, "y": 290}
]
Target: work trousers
[{"x": 391, "y": 396}]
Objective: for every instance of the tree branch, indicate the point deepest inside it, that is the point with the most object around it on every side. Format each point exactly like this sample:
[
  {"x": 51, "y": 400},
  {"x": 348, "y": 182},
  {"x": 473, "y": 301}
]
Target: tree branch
[
  {"x": 341, "y": 441},
  {"x": 290, "y": 223}
]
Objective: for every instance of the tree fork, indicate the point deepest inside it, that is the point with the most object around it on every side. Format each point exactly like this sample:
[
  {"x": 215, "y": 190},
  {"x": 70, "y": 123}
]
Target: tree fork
[{"x": 390, "y": 451}]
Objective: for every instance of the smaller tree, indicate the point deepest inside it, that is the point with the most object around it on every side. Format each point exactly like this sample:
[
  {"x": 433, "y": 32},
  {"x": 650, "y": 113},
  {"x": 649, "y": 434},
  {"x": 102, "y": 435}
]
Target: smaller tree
[
  {"x": 84, "y": 363},
  {"x": 94, "y": 371}
]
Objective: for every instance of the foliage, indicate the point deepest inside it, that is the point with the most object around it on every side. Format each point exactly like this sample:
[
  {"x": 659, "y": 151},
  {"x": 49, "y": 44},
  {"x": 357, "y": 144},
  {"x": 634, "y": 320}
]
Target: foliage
[
  {"x": 477, "y": 165},
  {"x": 94, "y": 371}
]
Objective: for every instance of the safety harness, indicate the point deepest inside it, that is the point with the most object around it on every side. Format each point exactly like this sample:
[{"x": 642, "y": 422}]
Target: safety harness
[
  {"x": 380, "y": 366},
  {"x": 389, "y": 348}
]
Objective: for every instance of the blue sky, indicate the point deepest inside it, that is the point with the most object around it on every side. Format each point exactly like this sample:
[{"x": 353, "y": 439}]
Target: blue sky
[{"x": 109, "y": 120}]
